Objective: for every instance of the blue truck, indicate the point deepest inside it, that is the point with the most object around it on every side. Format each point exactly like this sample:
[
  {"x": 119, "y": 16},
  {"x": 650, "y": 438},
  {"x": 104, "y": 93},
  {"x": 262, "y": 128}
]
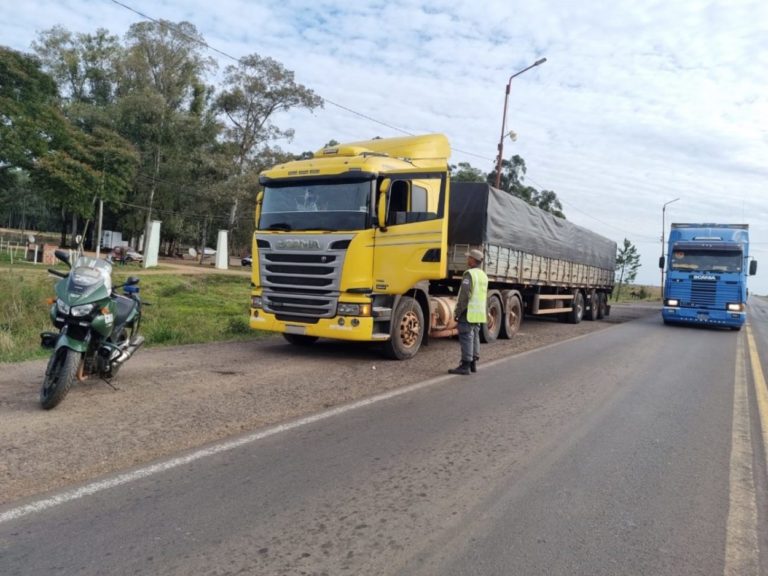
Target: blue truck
[{"x": 706, "y": 275}]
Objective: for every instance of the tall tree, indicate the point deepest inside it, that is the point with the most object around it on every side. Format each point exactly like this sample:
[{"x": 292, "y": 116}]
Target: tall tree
[
  {"x": 465, "y": 172},
  {"x": 627, "y": 265},
  {"x": 512, "y": 177},
  {"x": 160, "y": 84},
  {"x": 254, "y": 91}
]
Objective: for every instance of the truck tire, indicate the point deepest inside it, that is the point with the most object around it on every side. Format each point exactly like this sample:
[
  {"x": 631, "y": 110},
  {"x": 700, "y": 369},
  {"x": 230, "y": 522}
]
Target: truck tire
[
  {"x": 300, "y": 339},
  {"x": 406, "y": 330},
  {"x": 489, "y": 331},
  {"x": 577, "y": 312},
  {"x": 513, "y": 316},
  {"x": 600, "y": 305},
  {"x": 593, "y": 313}
]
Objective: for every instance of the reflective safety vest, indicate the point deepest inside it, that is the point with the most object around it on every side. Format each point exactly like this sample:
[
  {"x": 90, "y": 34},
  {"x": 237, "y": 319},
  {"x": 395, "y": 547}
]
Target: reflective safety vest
[{"x": 477, "y": 308}]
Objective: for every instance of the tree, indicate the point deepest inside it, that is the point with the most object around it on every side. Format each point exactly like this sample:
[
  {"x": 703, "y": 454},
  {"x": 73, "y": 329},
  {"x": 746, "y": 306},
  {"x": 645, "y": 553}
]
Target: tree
[
  {"x": 627, "y": 265},
  {"x": 512, "y": 176},
  {"x": 254, "y": 91},
  {"x": 465, "y": 172}
]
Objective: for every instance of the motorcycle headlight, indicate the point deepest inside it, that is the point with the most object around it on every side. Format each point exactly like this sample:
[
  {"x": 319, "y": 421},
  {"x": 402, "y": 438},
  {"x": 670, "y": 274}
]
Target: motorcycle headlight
[
  {"x": 63, "y": 308},
  {"x": 82, "y": 310}
]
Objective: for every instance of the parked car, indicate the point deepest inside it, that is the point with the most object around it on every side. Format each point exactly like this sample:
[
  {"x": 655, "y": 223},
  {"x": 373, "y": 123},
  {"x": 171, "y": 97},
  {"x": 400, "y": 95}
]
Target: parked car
[
  {"x": 246, "y": 260},
  {"x": 132, "y": 256}
]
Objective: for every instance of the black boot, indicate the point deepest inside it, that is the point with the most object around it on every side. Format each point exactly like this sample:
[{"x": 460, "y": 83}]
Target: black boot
[
  {"x": 473, "y": 364},
  {"x": 462, "y": 369}
]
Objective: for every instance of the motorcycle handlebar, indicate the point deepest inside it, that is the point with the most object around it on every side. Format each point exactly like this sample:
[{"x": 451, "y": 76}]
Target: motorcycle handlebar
[{"x": 57, "y": 273}]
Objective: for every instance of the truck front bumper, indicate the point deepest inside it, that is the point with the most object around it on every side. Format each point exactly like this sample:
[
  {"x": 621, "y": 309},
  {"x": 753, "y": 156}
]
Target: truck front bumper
[
  {"x": 339, "y": 327},
  {"x": 703, "y": 316}
]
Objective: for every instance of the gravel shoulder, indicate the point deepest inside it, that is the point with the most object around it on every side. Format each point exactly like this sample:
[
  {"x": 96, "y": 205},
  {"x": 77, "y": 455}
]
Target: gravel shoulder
[{"x": 168, "y": 400}]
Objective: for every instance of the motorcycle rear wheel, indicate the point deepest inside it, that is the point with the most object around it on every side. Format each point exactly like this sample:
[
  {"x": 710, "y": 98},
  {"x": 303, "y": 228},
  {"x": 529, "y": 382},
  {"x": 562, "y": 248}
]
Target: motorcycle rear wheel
[{"x": 59, "y": 376}]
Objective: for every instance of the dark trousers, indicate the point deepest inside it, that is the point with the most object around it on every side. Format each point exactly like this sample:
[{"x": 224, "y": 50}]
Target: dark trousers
[{"x": 469, "y": 339}]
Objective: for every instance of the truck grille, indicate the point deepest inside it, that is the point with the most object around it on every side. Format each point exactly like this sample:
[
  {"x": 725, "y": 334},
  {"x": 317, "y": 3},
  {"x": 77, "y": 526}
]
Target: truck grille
[
  {"x": 302, "y": 286},
  {"x": 703, "y": 293}
]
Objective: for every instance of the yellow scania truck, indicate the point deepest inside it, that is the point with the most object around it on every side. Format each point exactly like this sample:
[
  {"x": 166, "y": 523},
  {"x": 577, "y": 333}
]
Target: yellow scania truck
[{"x": 367, "y": 241}]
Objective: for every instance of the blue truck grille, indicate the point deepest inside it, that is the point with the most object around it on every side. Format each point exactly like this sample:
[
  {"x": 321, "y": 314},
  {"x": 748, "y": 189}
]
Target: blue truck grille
[{"x": 704, "y": 294}]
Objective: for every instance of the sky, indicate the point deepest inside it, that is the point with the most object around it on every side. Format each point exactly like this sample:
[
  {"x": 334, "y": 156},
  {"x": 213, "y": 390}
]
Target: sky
[{"x": 638, "y": 105}]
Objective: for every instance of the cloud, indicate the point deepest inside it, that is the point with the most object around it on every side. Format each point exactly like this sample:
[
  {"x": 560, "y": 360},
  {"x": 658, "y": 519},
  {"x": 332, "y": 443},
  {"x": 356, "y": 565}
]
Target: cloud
[{"x": 638, "y": 103}]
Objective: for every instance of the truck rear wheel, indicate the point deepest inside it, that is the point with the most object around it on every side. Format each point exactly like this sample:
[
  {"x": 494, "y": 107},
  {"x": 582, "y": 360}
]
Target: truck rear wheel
[
  {"x": 577, "y": 312},
  {"x": 406, "y": 331},
  {"x": 489, "y": 331},
  {"x": 513, "y": 316},
  {"x": 600, "y": 305},
  {"x": 594, "y": 307}
]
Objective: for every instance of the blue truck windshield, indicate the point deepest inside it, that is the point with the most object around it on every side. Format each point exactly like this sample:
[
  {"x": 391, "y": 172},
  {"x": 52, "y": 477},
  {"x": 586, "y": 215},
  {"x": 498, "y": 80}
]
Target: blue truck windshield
[
  {"x": 707, "y": 260},
  {"x": 323, "y": 205}
]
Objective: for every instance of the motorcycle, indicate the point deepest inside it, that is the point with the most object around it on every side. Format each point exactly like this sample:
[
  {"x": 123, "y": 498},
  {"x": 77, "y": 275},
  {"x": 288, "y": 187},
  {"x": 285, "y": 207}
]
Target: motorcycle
[{"x": 98, "y": 329}]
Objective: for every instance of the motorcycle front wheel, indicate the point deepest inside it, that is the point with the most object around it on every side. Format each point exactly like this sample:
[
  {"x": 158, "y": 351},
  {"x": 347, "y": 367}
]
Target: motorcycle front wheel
[{"x": 59, "y": 376}]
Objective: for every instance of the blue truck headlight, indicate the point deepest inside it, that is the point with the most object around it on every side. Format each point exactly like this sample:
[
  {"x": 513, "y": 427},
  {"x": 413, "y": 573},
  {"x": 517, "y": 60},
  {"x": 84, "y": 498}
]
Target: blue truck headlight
[
  {"x": 735, "y": 307},
  {"x": 345, "y": 309},
  {"x": 672, "y": 302}
]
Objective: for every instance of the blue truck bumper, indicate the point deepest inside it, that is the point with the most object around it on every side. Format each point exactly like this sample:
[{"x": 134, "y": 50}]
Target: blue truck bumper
[{"x": 674, "y": 314}]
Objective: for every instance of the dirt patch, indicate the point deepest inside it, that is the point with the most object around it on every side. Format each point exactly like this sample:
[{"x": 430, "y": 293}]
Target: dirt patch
[{"x": 173, "y": 399}]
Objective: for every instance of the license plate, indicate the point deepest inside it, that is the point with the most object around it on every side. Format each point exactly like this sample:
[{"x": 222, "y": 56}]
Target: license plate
[{"x": 293, "y": 329}]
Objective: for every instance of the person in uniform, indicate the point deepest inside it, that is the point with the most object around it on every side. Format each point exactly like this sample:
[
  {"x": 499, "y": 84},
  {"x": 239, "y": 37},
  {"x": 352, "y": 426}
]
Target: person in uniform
[{"x": 471, "y": 313}]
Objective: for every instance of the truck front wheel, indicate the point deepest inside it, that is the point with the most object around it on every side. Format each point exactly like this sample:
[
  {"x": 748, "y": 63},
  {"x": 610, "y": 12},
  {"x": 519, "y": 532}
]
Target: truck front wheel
[{"x": 406, "y": 331}]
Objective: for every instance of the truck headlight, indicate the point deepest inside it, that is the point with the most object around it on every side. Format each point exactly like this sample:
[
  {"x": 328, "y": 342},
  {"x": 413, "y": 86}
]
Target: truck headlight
[
  {"x": 82, "y": 310},
  {"x": 672, "y": 302},
  {"x": 257, "y": 302},
  {"x": 344, "y": 309},
  {"x": 735, "y": 307}
]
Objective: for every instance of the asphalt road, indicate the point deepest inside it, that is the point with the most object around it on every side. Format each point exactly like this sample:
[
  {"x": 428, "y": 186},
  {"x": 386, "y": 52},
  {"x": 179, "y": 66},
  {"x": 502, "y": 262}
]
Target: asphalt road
[{"x": 635, "y": 450}]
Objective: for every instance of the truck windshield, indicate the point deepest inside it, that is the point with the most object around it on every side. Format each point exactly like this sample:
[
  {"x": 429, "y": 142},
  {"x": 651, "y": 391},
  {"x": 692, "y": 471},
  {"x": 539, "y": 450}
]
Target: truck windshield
[
  {"x": 707, "y": 260},
  {"x": 323, "y": 205}
]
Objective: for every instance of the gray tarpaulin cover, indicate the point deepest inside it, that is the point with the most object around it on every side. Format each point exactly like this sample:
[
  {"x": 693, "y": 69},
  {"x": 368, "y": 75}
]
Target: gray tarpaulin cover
[{"x": 481, "y": 214}]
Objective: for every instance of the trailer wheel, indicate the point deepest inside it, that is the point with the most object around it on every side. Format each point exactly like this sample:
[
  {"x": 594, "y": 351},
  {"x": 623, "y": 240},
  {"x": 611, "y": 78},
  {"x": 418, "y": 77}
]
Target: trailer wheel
[
  {"x": 489, "y": 331},
  {"x": 513, "y": 316},
  {"x": 577, "y": 312},
  {"x": 600, "y": 305},
  {"x": 594, "y": 307},
  {"x": 407, "y": 330}
]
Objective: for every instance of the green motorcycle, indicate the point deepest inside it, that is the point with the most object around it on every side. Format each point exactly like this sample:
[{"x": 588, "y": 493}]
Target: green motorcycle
[{"x": 98, "y": 329}]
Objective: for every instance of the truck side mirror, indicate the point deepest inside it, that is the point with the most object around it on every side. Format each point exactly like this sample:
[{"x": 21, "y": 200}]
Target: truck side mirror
[
  {"x": 661, "y": 262},
  {"x": 753, "y": 267},
  {"x": 383, "y": 204}
]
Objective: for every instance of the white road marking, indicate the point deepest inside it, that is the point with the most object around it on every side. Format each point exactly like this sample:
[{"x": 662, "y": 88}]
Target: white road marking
[{"x": 145, "y": 472}]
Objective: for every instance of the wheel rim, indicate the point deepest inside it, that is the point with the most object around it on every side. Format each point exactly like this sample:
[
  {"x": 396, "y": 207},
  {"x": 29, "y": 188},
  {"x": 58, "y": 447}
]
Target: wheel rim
[
  {"x": 513, "y": 316},
  {"x": 410, "y": 328},
  {"x": 493, "y": 319}
]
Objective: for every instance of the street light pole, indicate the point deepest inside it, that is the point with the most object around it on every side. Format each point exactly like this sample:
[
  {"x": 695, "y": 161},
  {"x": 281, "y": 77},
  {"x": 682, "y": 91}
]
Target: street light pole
[
  {"x": 504, "y": 118},
  {"x": 663, "y": 229}
]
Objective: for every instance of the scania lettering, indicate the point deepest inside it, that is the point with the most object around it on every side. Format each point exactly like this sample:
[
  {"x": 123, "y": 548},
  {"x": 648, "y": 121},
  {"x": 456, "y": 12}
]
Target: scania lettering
[{"x": 367, "y": 241}]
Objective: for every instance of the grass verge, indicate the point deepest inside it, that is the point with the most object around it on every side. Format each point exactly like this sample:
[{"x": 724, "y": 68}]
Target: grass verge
[{"x": 184, "y": 309}]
